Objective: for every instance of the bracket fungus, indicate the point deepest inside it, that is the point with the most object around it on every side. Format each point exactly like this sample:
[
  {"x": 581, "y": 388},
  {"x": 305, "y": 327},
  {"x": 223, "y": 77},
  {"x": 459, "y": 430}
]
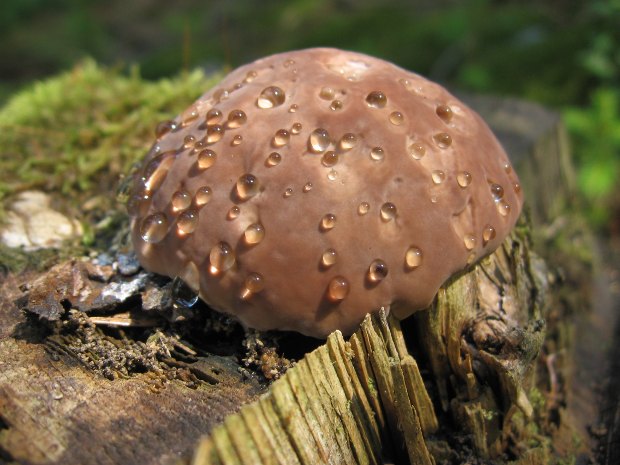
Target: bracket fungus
[{"x": 312, "y": 187}]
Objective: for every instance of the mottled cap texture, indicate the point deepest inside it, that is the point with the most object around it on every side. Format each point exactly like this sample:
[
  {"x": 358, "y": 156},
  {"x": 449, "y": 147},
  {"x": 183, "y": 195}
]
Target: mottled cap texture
[{"x": 311, "y": 187}]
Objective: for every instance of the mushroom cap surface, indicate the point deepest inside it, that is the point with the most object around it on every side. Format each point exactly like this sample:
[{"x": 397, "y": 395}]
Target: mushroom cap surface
[{"x": 311, "y": 187}]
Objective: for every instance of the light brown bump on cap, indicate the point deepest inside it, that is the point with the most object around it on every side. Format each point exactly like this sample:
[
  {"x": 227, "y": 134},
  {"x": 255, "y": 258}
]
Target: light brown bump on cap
[{"x": 447, "y": 224}]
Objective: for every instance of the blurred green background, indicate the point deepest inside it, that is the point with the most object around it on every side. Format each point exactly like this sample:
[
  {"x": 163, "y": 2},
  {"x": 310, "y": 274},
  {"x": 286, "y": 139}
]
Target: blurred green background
[{"x": 561, "y": 53}]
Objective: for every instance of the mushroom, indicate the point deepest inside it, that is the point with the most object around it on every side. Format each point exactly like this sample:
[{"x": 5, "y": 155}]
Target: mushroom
[{"x": 312, "y": 187}]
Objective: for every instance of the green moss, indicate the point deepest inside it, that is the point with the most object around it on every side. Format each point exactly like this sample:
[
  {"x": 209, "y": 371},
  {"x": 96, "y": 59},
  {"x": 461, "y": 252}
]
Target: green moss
[{"x": 76, "y": 133}]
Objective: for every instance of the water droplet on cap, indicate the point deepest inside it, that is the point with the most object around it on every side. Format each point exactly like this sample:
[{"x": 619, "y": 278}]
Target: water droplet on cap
[
  {"x": 287, "y": 192},
  {"x": 156, "y": 171},
  {"x": 296, "y": 128},
  {"x": 328, "y": 258},
  {"x": 444, "y": 112},
  {"x": 463, "y": 178},
  {"x": 388, "y": 211},
  {"x": 488, "y": 234},
  {"x": 213, "y": 116},
  {"x": 202, "y": 196},
  {"x": 497, "y": 192},
  {"x": 443, "y": 140},
  {"x": 348, "y": 141},
  {"x": 438, "y": 176},
  {"x": 247, "y": 186},
  {"x": 417, "y": 150},
  {"x": 318, "y": 140},
  {"x": 233, "y": 213},
  {"x": 154, "y": 228},
  {"x": 214, "y": 133},
  {"x": 236, "y": 118},
  {"x": 328, "y": 222},
  {"x": 189, "y": 115},
  {"x": 164, "y": 128},
  {"x": 336, "y": 105},
  {"x": 329, "y": 158},
  {"x": 273, "y": 159},
  {"x": 516, "y": 186},
  {"x": 377, "y": 153},
  {"x": 327, "y": 93},
  {"x": 307, "y": 187},
  {"x": 332, "y": 175},
  {"x": 338, "y": 289},
  {"x": 377, "y": 271},
  {"x": 396, "y": 118},
  {"x": 188, "y": 141},
  {"x": 250, "y": 76},
  {"x": 363, "y": 208},
  {"x": 281, "y": 138},
  {"x": 293, "y": 108},
  {"x": 236, "y": 140},
  {"x": 254, "y": 283},
  {"x": 181, "y": 200},
  {"x": 254, "y": 233},
  {"x": 187, "y": 222},
  {"x": 413, "y": 257},
  {"x": 376, "y": 99},
  {"x": 206, "y": 159},
  {"x": 221, "y": 257},
  {"x": 270, "y": 97},
  {"x": 503, "y": 208},
  {"x": 470, "y": 241}
]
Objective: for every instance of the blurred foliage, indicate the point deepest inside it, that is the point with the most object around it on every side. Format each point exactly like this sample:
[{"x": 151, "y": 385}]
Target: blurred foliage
[{"x": 564, "y": 53}]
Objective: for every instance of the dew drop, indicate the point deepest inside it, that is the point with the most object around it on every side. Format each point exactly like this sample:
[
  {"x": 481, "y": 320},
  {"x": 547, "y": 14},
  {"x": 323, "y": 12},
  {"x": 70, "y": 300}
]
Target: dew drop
[
  {"x": 254, "y": 283},
  {"x": 338, "y": 289},
  {"x": 181, "y": 200},
  {"x": 281, "y": 138},
  {"x": 188, "y": 141},
  {"x": 247, "y": 186},
  {"x": 318, "y": 140},
  {"x": 363, "y": 208},
  {"x": 376, "y": 99},
  {"x": 156, "y": 171},
  {"x": 254, "y": 233},
  {"x": 507, "y": 168},
  {"x": 328, "y": 258},
  {"x": 488, "y": 234},
  {"x": 139, "y": 203},
  {"x": 503, "y": 208},
  {"x": 233, "y": 213},
  {"x": 463, "y": 178},
  {"x": 497, "y": 192},
  {"x": 470, "y": 241},
  {"x": 377, "y": 154},
  {"x": 293, "y": 108},
  {"x": 250, "y": 76},
  {"x": 289, "y": 63},
  {"x": 202, "y": 196},
  {"x": 396, "y": 118},
  {"x": 213, "y": 116},
  {"x": 328, "y": 222},
  {"x": 443, "y": 140},
  {"x": 198, "y": 147},
  {"x": 221, "y": 257},
  {"x": 445, "y": 113},
  {"x": 388, "y": 211},
  {"x": 438, "y": 176},
  {"x": 347, "y": 141},
  {"x": 413, "y": 257},
  {"x": 206, "y": 159},
  {"x": 307, "y": 187},
  {"x": 332, "y": 175},
  {"x": 287, "y": 192},
  {"x": 516, "y": 187},
  {"x": 189, "y": 115},
  {"x": 417, "y": 150},
  {"x": 433, "y": 199},
  {"x": 187, "y": 222},
  {"x": 330, "y": 158},
  {"x": 336, "y": 105},
  {"x": 154, "y": 228},
  {"x": 273, "y": 159},
  {"x": 236, "y": 118},
  {"x": 270, "y": 97},
  {"x": 327, "y": 93},
  {"x": 377, "y": 271},
  {"x": 214, "y": 133},
  {"x": 236, "y": 140},
  {"x": 296, "y": 128},
  {"x": 220, "y": 94},
  {"x": 164, "y": 128}
]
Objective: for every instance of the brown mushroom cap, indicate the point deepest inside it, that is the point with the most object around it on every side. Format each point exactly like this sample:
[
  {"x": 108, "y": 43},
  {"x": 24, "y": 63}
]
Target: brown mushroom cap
[{"x": 311, "y": 187}]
